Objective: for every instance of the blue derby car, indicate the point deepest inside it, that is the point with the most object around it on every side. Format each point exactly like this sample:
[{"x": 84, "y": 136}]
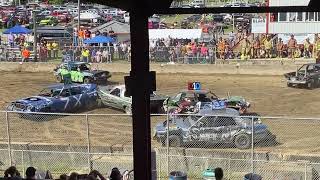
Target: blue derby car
[{"x": 59, "y": 98}]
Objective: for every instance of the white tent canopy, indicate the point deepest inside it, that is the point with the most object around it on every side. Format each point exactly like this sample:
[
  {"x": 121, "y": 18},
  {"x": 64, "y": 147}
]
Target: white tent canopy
[
  {"x": 175, "y": 33},
  {"x": 87, "y": 16}
]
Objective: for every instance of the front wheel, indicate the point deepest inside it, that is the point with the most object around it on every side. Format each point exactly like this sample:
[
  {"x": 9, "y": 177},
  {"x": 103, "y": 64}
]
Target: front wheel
[
  {"x": 243, "y": 141},
  {"x": 174, "y": 141},
  {"x": 59, "y": 79}
]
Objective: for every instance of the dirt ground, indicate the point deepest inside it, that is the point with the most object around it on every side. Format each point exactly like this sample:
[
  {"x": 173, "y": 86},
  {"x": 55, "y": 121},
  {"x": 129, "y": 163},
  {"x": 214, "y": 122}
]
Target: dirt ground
[{"x": 268, "y": 96}]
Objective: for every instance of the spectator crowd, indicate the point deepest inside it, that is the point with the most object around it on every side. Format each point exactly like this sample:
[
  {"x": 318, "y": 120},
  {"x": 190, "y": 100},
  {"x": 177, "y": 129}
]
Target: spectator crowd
[{"x": 32, "y": 174}]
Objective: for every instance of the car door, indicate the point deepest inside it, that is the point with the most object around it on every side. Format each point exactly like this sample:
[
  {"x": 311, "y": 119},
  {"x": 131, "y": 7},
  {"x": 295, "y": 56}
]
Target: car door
[
  {"x": 63, "y": 103},
  {"x": 197, "y": 131},
  {"x": 224, "y": 128},
  {"x": 114, "y": 99},
  {"x": 77, "y": 98}
]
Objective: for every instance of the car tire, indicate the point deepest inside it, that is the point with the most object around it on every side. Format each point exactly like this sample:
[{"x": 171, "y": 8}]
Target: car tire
[
  {"x": 128, "y": 110},
  {"x": 59, "y": 79},
  {"x": 289, "y": 85},
  {"x": 86, "y": 80},
  {"x": 243, "y": 141},
  {"x": 174, "y": 141},
  {"x": 310, "y": 84}
]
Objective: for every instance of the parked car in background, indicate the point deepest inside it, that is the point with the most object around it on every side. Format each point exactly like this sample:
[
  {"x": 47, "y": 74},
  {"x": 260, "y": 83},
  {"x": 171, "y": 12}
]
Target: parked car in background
[{"x": 49, "y": 21}]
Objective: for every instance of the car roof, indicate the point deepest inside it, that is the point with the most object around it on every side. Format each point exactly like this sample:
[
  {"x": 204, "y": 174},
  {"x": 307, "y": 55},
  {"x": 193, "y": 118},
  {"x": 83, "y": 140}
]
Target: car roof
[
  {"x": 74, "y": 63},
  {"x": 195, "y": 91},
  {"x": 61, "y": 85},
  {"x": 222, "y": 112}
]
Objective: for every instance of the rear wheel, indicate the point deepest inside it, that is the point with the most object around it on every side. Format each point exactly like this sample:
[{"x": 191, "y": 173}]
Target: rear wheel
[
  {"x": 310, "y": 84},
  {"x": 86, "y": 80},
  {"x": 243, "y": 141},
  {"x": 128, "y": 110},
  {"x": 174, "y": 141}
]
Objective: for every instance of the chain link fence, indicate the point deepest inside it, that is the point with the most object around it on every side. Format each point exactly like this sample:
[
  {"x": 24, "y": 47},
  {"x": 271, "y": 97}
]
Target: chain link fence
[{"x": 273, "y": 147}]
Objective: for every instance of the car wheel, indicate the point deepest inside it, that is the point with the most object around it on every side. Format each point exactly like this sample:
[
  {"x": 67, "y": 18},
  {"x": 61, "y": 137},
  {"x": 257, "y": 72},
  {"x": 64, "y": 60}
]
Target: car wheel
[
  {"x": 174, "y": 141},
  {"x": 86, "y": 80},
  {"x": 128, "y": 110},
  {"x": 310, "y": 85},
  {"x": 243, "y": 141},
  {"x": 289, "y": 84},
  {"x": 59, "y": 79}
]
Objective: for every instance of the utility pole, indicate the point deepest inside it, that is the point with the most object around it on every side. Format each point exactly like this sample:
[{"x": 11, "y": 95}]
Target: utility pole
[
  {"x": 34, "y": 16},
  {"x": 78, "y": 15}
]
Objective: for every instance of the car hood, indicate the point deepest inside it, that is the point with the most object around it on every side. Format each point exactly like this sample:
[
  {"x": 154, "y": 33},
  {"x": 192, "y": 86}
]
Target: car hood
[{"x": 34, "y": 101}]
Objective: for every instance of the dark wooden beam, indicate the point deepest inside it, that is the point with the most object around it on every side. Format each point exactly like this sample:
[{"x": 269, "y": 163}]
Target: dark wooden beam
[{"x": 140, "y": 89}]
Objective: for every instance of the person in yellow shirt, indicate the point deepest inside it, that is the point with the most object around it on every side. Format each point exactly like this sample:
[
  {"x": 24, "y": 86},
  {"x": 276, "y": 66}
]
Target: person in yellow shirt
[
  {"x": 85, "y": 55},
  {"x": 54, "y": 46},
  {"x": 49, "y": 48},
  {"x": 268, "y": 46}
]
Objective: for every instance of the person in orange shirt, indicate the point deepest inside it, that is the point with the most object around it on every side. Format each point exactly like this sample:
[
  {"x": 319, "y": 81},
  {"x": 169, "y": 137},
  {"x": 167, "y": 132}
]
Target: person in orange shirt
[
  {"x": 221, "y": 48},
  {"x": 81, "y": 36},
  {"x": 25, "y": 54}
]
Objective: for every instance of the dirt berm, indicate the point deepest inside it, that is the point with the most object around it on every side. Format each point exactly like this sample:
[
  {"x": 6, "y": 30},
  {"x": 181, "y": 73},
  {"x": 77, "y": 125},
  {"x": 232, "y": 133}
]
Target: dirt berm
[{"x": 231, "y": 67}]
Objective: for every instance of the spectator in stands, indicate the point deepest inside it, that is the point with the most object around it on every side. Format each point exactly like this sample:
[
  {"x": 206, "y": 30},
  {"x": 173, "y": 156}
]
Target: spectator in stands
[
  {"x": 85, "y": 55},
  {"x": 49, "y": 48},
  {"x": 11, "y": 39},
  {"x": 31, "y": 173},
  {"x": 245, "y": 48},
  {"x": 221, "y": 48},
  {"x": 63, "y": 177},
  {"x": 280, "y": 48},
  {"x": 73, "y": 176},
  {"x": 268, "y": 46},
  {"x": 292, "y": 45},
  {"x": 96, "y": 174},
  {"x": 204, "y": 52},
  {"x": 307, "y": 48},
  {"x": 93, "y": 55},
  {"x": 55, "y": 49},
  {"x": 25, "y": 54},
  {"x": 218, "y": 173},
  {"x": 115, "y": 174},
  {"x": 256, "y": 48},
  {"x": 11, "y": 172},
  {"x": 98, "y": 55}
]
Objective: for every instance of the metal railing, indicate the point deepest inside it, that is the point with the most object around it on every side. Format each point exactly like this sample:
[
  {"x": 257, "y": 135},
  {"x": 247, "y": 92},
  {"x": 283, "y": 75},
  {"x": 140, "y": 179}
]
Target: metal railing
[{"x": 274, "y": 147}]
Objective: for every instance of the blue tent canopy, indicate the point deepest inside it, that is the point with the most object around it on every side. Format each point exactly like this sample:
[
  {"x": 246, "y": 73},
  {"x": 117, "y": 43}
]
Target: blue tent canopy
[
  {"x": 17, "y": 30},
  {"x": 99, "y": 39}
]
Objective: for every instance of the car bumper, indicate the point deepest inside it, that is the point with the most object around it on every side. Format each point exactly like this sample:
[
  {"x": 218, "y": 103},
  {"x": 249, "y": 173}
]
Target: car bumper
[{"x": 296, "y": 82}]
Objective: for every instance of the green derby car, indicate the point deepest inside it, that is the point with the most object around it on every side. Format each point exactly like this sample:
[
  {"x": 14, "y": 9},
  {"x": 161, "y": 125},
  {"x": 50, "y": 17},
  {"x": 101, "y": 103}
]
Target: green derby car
[{"x": 80, "y": 72}]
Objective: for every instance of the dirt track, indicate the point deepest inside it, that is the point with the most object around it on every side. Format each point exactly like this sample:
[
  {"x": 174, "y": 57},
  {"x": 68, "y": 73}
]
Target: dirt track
[{"x": 268, "y": 95}]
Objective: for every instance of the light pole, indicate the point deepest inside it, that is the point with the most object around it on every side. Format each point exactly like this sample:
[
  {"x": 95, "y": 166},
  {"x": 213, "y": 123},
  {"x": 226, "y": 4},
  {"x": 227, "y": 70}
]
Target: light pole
[{"x": 78, "y": 15}]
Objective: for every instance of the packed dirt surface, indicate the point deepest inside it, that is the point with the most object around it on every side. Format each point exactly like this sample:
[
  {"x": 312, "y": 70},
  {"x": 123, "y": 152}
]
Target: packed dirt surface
[{"x": 268, "y": 95}]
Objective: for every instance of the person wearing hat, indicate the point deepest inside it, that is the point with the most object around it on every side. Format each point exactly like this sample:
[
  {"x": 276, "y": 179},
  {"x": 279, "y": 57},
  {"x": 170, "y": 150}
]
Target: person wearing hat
[
  {"x": 307, "y": 48},
  {"x": 292, "y": 45}
]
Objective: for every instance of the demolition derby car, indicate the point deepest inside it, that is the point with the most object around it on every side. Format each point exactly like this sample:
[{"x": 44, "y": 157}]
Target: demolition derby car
[
  {"x": 59, "y": 98},
  {"x": 115, "y": 96},
  {"x": 213, "y": 127},
  {"x": 308, "y": 75},
  {"x": 191, "y": 101},
  {"x": 80, "y": 72}
]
